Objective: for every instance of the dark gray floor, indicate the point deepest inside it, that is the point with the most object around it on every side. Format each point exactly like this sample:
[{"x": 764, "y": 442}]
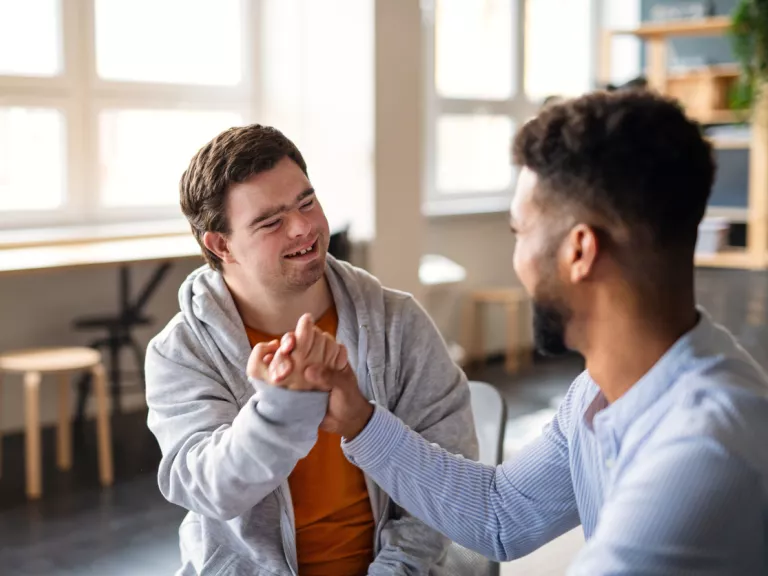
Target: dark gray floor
[{"x": 129, "y": 530}]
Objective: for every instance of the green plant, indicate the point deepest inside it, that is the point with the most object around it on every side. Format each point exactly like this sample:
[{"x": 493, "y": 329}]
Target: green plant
[{"x": 749, "y": 39}]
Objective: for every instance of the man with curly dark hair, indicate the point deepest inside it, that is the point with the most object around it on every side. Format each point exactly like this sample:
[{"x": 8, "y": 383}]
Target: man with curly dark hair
[{"x": 658, "y": 449}]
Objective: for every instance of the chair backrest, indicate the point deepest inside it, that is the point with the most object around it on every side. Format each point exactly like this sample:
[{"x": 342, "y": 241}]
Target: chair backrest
[{"x": 489, "y": 412}]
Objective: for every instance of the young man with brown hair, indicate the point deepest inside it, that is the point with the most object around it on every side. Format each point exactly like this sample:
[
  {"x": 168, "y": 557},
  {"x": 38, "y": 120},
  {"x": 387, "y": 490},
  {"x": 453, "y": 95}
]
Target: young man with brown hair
[{"x": 268, "y": 493}]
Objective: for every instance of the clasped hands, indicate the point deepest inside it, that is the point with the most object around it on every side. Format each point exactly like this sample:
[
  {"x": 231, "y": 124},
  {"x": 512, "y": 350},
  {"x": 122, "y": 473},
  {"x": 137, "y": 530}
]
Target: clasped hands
[{"x": 311, "y": 360}]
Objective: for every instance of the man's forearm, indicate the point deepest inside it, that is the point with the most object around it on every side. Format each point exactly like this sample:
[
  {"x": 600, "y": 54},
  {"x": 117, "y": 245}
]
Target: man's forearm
[
  {"x": 224, "y": 472},
  {"x": 472, "y": 504}
]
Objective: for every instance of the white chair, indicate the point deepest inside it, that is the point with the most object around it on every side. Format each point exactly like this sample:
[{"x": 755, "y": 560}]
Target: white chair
[{"x": 489, "y": 412}]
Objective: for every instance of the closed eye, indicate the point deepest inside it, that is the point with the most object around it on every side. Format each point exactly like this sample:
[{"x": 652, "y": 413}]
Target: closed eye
[
  {"x": 307, "y": 205},
  {"x": 271, "y": 225}
]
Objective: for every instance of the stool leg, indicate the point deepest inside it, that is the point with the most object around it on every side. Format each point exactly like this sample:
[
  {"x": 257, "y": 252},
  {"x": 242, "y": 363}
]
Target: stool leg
[
  {"x": 33, "y": 456},
  {"x": 103, "y": 433},
  {"x": 64, "y": 427},
  {"x": 511, "y": 363}
]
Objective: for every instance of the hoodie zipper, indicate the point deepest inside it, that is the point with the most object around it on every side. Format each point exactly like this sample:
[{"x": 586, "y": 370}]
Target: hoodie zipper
[{"x": 287, "y": 520}]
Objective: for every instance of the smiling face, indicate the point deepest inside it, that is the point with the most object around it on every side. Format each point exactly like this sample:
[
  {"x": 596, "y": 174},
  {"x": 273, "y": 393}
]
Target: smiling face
[
  {"x": 278, "y": 234},
  {"x": 539, "y": 237}
]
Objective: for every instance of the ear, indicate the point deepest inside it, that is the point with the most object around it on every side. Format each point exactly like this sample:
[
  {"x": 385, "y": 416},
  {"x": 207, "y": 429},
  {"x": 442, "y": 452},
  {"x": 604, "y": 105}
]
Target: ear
[
  {"x": 217, "y": 243},
  {"x": 581, "y": 249}
]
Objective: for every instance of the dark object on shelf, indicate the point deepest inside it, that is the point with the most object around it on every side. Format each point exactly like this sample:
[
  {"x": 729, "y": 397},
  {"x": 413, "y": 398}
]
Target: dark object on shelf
[
  {"x": 639, "y": 83},
  {"x": 340, "y": 246}
]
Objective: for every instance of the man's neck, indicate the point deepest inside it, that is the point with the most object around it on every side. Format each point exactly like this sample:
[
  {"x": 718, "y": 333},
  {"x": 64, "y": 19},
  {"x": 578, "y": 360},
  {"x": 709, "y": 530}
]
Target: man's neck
[
  {"x": 276, "y": 314},
  {"x": 627, "y": 341}
]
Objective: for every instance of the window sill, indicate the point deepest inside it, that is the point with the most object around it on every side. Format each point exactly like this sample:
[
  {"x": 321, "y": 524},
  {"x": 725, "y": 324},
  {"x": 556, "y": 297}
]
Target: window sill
[
  {"x": 62, "y": 235},
  {"x": 464, "y": 206}
]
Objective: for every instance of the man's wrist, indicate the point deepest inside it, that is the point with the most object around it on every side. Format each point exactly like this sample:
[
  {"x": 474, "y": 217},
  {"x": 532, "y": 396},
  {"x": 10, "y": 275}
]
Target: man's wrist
[{"x": 359, "y": 424}]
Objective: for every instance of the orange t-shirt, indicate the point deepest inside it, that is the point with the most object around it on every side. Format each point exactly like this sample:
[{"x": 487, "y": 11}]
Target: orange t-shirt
[{"x": 333, "y": 516}]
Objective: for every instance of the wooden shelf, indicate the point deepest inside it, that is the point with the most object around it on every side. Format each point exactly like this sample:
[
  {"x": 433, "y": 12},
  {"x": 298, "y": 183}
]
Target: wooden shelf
[
  {"x": 704, "y": 92},
  {"x": 733, "y": 258},
  {"x": 738, "y": 215},
  {"x": 717, "y": 71},
  {"x": 719, "y": 117},
  {"x": 721, "y": 143},
  {"x": 704, "y": 27}
]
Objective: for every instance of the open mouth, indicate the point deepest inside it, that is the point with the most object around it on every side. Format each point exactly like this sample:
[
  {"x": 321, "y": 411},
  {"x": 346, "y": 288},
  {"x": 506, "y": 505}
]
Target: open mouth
[{"x": 304, "y": 251}]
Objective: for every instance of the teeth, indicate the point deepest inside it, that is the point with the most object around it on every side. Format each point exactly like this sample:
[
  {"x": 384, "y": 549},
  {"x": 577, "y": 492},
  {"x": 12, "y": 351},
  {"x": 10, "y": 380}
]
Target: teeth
[{"x": 302, "y": 252}]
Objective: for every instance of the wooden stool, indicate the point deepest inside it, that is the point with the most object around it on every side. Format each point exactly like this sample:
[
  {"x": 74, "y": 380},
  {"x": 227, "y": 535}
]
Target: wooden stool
[
  {"x": 61, "y": 361},
  {"x": 513, "y": 300}
]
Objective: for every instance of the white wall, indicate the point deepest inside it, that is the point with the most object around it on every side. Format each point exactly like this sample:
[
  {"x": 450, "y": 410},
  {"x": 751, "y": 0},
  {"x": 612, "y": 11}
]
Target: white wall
[
  {"x": 483, "y": 245},
  {"x": 397, "y": 246},
  {"x": 37, "y": 310}
]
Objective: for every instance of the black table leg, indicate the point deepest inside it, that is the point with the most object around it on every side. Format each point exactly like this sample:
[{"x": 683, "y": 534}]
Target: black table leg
[{"x": 120, "y": 333}]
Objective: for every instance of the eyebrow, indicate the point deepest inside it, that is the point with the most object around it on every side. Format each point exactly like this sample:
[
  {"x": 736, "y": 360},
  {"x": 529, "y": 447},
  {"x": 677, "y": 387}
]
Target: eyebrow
[{"x": 272, "y": 212}]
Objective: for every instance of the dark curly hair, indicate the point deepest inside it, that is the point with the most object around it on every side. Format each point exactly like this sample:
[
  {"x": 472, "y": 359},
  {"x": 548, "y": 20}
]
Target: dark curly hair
[
  {"x": 231, "y": 157},
  {"x": 632, "y": 158}
]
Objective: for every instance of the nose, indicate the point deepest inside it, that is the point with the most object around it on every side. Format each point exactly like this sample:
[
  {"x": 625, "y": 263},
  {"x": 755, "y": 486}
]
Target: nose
[{"x": 298, "y": 224}]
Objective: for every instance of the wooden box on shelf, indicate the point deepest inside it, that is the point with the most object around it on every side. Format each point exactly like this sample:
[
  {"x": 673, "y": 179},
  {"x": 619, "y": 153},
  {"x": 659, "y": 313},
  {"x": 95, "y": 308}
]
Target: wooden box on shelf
[{"x": 704, "y": 92}]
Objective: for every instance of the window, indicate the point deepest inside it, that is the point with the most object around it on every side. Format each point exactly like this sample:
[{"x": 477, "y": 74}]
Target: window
[
  {"x": 318, "y": 88},
  {"x": 97, "y": 125},
  {"x": 104, "y": 102},
  {"x": 490, "y": 64}
]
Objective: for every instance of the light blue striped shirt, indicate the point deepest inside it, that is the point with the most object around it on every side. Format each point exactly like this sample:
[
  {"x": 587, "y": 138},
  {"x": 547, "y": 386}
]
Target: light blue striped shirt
[{"x": 672, "y": 478}]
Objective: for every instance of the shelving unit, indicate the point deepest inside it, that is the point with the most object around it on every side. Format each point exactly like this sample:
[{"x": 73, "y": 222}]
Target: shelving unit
[{"x": 703, "y": 91}]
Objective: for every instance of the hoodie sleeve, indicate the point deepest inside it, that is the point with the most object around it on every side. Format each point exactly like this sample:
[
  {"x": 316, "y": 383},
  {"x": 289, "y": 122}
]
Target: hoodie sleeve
[
  {"x": 219, "y": 460},
  {"x": 432, "y": 399}
]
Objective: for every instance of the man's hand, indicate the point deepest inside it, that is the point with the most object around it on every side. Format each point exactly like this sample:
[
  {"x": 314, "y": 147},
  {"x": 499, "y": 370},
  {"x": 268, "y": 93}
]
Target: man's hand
[
  {"x": 348, "y": 410},
  {"x": 282, "y": 364}
]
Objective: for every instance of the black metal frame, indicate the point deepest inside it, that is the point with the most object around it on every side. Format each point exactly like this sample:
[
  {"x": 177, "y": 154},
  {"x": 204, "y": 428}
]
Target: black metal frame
[{"x": 119, "y": 333}]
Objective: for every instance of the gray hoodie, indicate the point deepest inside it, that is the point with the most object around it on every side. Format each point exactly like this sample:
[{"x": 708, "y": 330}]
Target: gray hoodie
[{"x": 229, "y": 443}]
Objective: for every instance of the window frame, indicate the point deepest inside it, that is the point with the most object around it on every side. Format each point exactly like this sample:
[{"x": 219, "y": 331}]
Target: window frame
[
  {"x": 519, "y": 107},
  {"x": 80, "y": 94}
]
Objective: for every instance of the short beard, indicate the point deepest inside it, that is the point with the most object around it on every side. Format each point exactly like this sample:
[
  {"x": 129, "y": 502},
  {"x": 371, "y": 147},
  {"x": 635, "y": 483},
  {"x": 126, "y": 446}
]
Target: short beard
[{"x": 550, "y": 318}]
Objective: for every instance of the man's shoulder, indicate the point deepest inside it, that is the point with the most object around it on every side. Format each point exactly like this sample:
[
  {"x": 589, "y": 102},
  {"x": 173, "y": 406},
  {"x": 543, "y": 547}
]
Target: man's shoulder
[
  {"x": 724, "y": 406},
  {"x": 175, "y": 336}
]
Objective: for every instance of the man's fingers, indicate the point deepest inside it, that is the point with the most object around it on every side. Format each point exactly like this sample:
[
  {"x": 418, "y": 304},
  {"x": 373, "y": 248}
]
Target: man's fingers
[
  {"x": 341, "y": 359},
  {"x": 316, "y": 374},
  {"x": 329, "y": 377},
  {"x": 280, "y": 367},
  {"x": 263, "y": 348},
  {"x": 304, "y": 335},
  {"x": 316, "y": 355},
  {"x": 257, "y": 363},
  {"x": 287, "y": 343},
  {"x": 331, "y": 349}
]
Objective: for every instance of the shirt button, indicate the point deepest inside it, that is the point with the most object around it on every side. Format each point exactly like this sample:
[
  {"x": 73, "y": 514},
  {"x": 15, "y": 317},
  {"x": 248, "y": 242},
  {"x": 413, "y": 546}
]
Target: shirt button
[{"x": 610, "y": 462}]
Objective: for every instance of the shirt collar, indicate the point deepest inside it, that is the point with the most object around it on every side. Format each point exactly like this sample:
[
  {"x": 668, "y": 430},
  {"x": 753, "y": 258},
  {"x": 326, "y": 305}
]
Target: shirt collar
[{"x": 622, "y": 413}]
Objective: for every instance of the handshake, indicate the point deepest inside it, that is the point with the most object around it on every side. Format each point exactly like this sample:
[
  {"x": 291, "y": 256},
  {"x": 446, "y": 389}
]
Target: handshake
[{"x": 311, "y": 360}]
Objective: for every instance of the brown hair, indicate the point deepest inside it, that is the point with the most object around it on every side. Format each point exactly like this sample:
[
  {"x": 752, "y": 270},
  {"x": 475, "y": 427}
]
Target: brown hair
[{"x": 230, "y": 158}]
